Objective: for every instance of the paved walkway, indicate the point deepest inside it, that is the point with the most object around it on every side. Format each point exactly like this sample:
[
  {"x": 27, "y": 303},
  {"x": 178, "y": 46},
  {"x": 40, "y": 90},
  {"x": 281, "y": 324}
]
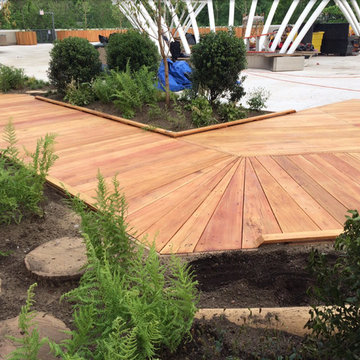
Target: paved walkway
[{"x": 282, "y": 179}]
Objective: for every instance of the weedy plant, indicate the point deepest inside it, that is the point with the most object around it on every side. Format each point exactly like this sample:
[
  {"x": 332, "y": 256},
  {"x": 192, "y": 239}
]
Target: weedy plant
[
  {"x": 335, "y": 327},
  {"x": 201, "y": 111},
  {"x": 128, "y": 305},
  {"x": 30, "y": 343},
  {"x": 22, "y": 184},
  {"x": 257, "y": 99},
  {"x": 79, "y": 94}
]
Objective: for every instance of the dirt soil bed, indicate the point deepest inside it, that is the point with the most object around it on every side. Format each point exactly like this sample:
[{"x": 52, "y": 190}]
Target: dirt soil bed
[{"x": 268, "y": 277}]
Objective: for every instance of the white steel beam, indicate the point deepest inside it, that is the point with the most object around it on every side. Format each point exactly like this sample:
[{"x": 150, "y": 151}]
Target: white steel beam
[
  {"x": 179, "y": 28},
  {"x": 349, "y": 15},
  {"x": 356, "y": 8},
  {"x": 297, "y": 25},
  {"x": 211, "y": 15},
  {"x": 231, "y": 12},
  {"x": 307, "y": 26},
  {"x": 250, "y": 18},
  {"x": 197, "y": 11},
  {"x": 284, "y": 23},
  {"x": 268, "y": 23},
  {"x": 193, "y": 20}
]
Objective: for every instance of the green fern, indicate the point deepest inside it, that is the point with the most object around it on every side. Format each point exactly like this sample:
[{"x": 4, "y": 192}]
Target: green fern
[
  {"x": 127, "y": 306},
  {"x": 30, "y": 343},
  {"x": 11, "y": 152}
]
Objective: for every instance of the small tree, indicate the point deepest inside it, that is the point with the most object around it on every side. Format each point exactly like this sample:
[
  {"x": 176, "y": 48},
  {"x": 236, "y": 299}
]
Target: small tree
[
  {"x": 218, "y": 60},
  {"x": 157, "y": 9},
  {"x": 73, "y": 59}
]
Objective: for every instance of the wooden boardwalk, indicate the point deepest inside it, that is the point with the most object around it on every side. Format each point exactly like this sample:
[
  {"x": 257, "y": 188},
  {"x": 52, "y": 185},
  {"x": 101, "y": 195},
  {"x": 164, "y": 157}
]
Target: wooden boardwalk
[{"x": 281, "y": 179}]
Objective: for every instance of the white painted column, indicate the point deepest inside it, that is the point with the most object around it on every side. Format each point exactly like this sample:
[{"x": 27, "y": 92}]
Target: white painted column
[
  {"x": 193, "y": 20},
  {"x": 356, "y": 8},
  {"x": 231, "y": 12},
  {"x": 284, "y": 23},
  {"x": 268, "y": 23},
  {"x": 297, "y": 25},
  {"x": 350, "y": 16},
  {"x": 179, "y": 28},
  {"x": 211, "y": 15},
  {"x": 307, "y": 26}
]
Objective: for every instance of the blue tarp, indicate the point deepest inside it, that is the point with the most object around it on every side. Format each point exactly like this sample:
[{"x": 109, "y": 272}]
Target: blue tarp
[{"x": 177, "y": 79}]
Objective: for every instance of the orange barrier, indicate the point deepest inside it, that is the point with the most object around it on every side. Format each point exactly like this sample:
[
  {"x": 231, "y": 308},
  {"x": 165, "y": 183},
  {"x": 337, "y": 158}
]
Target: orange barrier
[
  {"x": 91, "y": 35},
  {"x": 26, "y": 38}
]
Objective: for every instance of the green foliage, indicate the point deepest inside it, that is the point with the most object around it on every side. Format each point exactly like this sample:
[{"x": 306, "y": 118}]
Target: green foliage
[
  {"x": 105, "y": 85},
  {"x": 337, "y": 325},
  {"x": 68, "y": 14},
  {"x": 201, "y": 111},
  {"x": 133, "y": 90},
  {"x": 11, "y": 78},
  {"x": 21, "y": 184},
  {"x": 132, "y": 48},
  {"x": 73, "y": 59},
  {"x": 34, "y": 84},
  {"x": 127, "y": 305},
  {"x": 30, "y": 343},
  {"x": 79, "y": 94},
  {"x": 218, "y": 60},
  {"x": 230, "y": 112},
  {"x": 257, "y": 99}
]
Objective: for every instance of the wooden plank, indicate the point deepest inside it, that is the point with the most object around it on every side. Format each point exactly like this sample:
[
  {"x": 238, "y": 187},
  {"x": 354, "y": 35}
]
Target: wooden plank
[
  {"x": 258, "y": 215},
  {"x": 289, "y": 215},
  {"x": 186, "y": 239},
  {"x": 307, "y": 203},
  {"x": 305, "y": 236},
  {"x": 224, "y": 229},
  {"x": 334, "y": 207}
]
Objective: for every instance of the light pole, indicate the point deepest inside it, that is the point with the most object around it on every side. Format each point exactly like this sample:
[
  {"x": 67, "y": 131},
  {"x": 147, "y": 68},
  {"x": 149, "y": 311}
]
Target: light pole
[{"x": 42, "y": 12}]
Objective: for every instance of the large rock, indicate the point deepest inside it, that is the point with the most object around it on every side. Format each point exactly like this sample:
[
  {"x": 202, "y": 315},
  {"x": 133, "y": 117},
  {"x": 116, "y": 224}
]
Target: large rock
[
  {"x": 47, "y": 325},
  {"x": 63, "y": 258}
]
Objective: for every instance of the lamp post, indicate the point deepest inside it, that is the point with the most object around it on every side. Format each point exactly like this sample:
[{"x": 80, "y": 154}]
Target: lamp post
[{"x": 42, "y": 12}]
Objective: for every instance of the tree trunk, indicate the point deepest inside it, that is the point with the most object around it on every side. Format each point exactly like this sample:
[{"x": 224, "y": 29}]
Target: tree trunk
[{"x": 162, "y": 52}]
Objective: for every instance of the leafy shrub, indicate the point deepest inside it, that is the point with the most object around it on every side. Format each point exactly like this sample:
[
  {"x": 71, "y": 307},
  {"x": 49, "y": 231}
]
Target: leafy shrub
[
  {"x": 257, "y": 99},
  {"x": 11, "y": 78},
  {"x": 133, "y": 48},
  {"x": 127, "y": 305},
  {"x": 34, "y": 84},
  {"x": 104, "y": 87},
  {"x": 230, "y": 112},
  {"x": 133, "y": 90},
  {"x": 73, "y": 59},
  {"x": 337, "y": 325},
  {"x": 79, "y": 94},
  {"x": 21, "y": 184},
  {"x": 218, "y": 60},
  {"x": 201, "y": 111}
]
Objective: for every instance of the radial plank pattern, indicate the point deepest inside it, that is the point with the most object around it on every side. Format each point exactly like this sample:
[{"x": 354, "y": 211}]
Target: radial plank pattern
[{"x": 218, "y": 190}]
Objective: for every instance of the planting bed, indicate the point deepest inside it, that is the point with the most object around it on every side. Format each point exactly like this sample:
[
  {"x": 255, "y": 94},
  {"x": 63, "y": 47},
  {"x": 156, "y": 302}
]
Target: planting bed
[{"x": 269, "y": 277}]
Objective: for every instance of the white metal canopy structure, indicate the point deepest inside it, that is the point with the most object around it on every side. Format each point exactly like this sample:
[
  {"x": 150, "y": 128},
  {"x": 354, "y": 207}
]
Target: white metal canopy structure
[{"x": 138, "y": 13}]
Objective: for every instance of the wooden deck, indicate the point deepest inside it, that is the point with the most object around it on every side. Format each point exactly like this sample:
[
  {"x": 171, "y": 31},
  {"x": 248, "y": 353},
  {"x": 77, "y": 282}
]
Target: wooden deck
[{"x": 289, "y": 178}]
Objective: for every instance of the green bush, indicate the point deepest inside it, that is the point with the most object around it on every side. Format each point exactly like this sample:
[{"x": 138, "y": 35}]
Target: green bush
[
  {"x": 218, "y": 60},
  {"x": 104, "y": 87},
  {"x": 21, "y": 184},
  {"x": 11, "y": 78},
  {"x": 257, "y": 99},
  {"x": 73, "y": 59},
  {"x": 201, "y": 111},
  {"x": 79, "y": 94},
  {"x": 336, "y": 326},
  {"x": 127, "y": 305},
  {"x": 133, "y": 48}
]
